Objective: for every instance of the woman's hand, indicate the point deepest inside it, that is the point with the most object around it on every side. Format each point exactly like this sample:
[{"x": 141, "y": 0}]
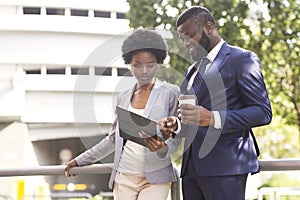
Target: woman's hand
[
  {"x": 70, "y": 164},
  {"x": 154, "y": 143},
  {"x": 167, "y": 126}
]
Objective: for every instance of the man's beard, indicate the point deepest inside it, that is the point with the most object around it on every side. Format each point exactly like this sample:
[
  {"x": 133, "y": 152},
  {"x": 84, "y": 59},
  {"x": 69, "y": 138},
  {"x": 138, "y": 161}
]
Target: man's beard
[{"x": 202, "y": 48}]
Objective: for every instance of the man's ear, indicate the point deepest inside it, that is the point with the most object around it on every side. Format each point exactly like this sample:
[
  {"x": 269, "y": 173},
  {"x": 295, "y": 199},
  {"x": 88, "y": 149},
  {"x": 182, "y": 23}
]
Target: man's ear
[{"x": 208, "y": 27}]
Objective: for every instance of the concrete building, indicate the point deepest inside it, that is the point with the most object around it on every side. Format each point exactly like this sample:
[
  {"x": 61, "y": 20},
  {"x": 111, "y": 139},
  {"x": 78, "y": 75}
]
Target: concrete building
[{"x": 60, "y": 71}]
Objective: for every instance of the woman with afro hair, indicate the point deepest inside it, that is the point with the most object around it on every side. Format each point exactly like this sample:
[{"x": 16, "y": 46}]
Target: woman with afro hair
[{"x": 139, "y": 172}]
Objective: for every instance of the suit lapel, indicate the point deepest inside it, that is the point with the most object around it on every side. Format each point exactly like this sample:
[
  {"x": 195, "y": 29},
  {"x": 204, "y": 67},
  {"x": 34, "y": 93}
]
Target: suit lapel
[
  {"x": 219, "y": 61},
  {"x": 213, "y": 71}
]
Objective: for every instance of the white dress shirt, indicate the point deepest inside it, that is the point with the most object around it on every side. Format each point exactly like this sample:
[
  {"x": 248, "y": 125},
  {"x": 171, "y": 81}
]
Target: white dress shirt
[{"x": 211, "y": 57}]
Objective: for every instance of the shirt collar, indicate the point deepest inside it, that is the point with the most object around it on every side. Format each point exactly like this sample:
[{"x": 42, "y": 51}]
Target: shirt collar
[{"x": 214, "y": 52}]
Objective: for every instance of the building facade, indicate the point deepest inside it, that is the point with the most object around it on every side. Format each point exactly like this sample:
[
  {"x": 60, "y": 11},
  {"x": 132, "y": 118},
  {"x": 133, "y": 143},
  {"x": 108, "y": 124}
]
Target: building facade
[{"x": 60, "y": 71}]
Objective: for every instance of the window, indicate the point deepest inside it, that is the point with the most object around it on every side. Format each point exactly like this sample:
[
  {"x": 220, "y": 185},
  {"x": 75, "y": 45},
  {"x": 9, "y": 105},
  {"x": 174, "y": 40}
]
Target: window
[
  {"x": 80, "y": 71},
  {"x": 55, "y": 71},
  {"x": 103, "y": 71},
  {"x": 83, "y": 13},
  {"x": 120, "y": 15},
  {"x": 124, "y": 72},
  {"x": 33, "y": 71},
  {"x": 102, "y": 14},
  {"x": 55, "y": 11},
  {"x": 31, "y": 10}
]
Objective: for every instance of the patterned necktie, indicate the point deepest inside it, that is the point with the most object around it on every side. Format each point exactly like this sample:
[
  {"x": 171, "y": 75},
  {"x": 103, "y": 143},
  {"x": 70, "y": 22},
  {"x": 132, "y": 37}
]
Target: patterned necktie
[
  {"x": 203, "y": 64},
  {"x": 199, "y": 76}
]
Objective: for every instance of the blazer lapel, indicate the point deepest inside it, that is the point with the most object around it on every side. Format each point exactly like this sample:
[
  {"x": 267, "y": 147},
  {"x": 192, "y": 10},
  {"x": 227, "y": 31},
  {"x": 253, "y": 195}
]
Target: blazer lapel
[
  {"x": 154, "y": 95},
  {"x": 219, "y": 61}
]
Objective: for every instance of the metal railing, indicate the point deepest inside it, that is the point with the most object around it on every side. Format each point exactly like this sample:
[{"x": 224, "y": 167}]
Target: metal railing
[
  {"x": 279, "y": 164},
  {"x": 60, "y": 196},
  {"x": 265, "y": 165},
  {"x": 89, "y": 169},
  {"x": 275, "y": 193}
]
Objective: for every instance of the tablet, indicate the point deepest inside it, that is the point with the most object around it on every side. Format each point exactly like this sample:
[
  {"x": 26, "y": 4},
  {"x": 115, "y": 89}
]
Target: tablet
[{"x": 130, "y": 124}]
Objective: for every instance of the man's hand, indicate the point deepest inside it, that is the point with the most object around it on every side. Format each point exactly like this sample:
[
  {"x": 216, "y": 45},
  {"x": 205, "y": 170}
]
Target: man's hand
[
  {"x": 195, "y": 115},
  {"x": 152, "y": 142},
  {"x": 168, "y": 126}
]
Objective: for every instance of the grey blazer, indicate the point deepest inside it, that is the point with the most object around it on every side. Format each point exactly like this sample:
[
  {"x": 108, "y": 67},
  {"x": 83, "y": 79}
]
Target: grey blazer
[{"x": 162, "y": 102}]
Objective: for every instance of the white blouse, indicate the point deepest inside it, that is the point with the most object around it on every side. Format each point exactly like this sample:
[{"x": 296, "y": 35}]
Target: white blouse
[{"x": 133, "y": 156}]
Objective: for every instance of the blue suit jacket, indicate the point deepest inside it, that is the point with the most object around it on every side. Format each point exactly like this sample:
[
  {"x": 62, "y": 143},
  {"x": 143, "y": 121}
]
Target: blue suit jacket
[{"x": 234, "y": 86}]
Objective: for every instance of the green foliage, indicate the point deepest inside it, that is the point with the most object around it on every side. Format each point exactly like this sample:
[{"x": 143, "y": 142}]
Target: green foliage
[
  {"x": 279, "y": 51},
  {"x": 277, "y": 140},
  {"x": 144, "y": 14},
  {"x": 169, "y": 74}
]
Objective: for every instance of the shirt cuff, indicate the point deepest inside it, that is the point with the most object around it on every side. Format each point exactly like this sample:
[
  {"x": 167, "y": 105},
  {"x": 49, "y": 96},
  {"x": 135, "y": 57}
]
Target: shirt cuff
[
  {"x": 217, "y": 119},
  {"x": 178, "y": 126}
]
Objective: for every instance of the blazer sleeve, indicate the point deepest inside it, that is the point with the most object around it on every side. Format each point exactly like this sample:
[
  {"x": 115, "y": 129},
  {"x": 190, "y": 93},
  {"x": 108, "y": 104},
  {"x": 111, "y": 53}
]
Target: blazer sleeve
[
  {"x": 100, "y": 150},
  {"x": 172, "y": 143},
  {"x": 256, "y": 109}
]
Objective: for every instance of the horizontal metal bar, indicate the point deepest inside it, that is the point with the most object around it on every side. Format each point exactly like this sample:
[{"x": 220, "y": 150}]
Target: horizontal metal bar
[
  {"x": 70, "y": 195},
  {"x": 279, "y": 164},
  {"x": 265, "y": 165},
  {"x": 60, "y": 170},
  {"x": 56, "y": 170}
]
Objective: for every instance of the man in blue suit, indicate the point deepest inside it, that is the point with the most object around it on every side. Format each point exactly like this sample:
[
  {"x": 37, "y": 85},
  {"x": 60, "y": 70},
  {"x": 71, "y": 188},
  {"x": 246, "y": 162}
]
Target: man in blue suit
[{"x": 231, "y": 98}]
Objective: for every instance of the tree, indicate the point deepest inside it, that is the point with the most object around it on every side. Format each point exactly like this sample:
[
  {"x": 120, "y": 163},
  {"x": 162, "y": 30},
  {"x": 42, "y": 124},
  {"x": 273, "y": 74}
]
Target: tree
[
  {"x": 278, "y": 140},
  {"x": 278, "y": 45}
]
